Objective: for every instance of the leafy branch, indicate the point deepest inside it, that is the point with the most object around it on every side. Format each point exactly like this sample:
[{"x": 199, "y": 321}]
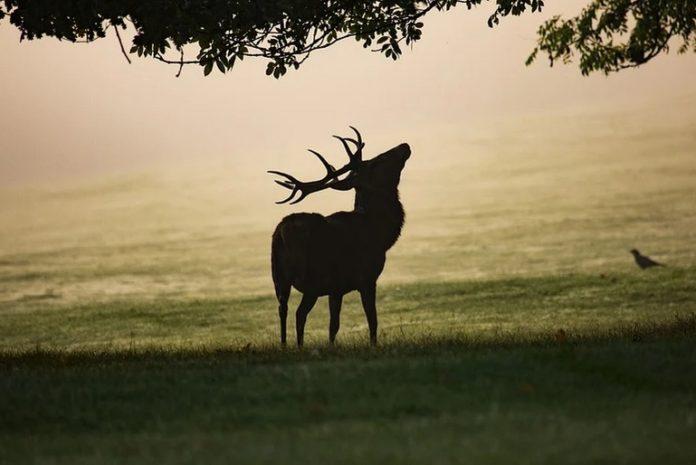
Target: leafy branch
[
  {"x": 610, "y": 35},
  {"x": 224, "y": 32},
  {"x": 607, "y": 36}
]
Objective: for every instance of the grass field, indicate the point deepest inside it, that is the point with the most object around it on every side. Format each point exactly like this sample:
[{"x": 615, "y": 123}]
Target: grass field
[
  {"x": 137, "y": 322},
  {"x": 621, "y": 396}
]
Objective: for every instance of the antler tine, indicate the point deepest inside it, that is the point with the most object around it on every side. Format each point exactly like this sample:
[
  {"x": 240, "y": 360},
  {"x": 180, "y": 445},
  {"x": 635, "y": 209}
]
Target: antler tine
[
  {"x": 329, "y": 168},
  {"x": 285, "y": 175},
  {"x": 359, "y": 143},
  {"x": 357, "y": 133},
  {"x": 351, "y": 155},
  {"x": 285, "y": 184},
  {"x": 292, "y": 194},
  {"x": 303, "y": 194},
  {"x": 292, "y": 185}
]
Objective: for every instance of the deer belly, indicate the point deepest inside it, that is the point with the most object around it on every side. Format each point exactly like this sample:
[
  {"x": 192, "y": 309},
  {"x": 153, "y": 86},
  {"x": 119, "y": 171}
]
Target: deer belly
[{"x": 337, "y": 274}]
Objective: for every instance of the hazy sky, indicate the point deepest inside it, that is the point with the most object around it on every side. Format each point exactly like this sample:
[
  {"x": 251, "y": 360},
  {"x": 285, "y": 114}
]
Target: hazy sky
[{"x": 75, "y": 110}]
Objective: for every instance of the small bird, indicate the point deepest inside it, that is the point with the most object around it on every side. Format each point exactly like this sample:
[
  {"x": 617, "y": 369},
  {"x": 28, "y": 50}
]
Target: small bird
[{"x": 642, "y": 261}]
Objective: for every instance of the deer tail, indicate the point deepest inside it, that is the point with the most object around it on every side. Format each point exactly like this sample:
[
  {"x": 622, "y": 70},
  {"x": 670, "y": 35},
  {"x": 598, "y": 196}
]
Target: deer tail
[{"x": 281, "y": 281}]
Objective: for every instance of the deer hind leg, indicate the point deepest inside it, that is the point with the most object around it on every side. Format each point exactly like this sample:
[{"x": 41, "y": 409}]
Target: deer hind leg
[
  {"x": 283, "y": 294},
  {"x": 281, "y": 282},
  {"x": 335, "y": 302},
  {"x": 283, "y": 314},
  {"x": 303, "y": 310},
  {"x": 368, "y": 295}
]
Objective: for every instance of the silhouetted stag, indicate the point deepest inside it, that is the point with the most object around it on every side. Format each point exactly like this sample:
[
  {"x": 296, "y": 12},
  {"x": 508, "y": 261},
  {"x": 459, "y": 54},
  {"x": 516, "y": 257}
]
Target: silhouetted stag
[{"x": 332, "y": 255}]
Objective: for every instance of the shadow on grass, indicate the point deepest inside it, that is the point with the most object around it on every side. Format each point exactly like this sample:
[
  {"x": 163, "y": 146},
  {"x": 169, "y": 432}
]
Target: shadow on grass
[{"x": 681, "y": 327}]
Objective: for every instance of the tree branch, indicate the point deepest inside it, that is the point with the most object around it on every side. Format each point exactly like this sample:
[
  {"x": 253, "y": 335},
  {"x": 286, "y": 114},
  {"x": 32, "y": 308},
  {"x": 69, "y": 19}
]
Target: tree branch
[
  {"x": 120, "y": 42},
  {"x": 181, "y": 62}
]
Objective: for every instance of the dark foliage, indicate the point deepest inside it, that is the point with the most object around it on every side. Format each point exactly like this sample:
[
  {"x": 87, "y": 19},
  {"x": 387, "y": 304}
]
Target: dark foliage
[
  {"x": 285, "y": 32},
  {"x": 608, "y": 35}
]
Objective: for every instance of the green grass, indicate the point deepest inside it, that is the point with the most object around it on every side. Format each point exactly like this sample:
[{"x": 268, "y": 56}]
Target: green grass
[
  {"x": 482, "y": 308},
  {"x": 618, "y": 396},
  {"x": 569, "y": 369},
  {"x": 137, "y": 323}
]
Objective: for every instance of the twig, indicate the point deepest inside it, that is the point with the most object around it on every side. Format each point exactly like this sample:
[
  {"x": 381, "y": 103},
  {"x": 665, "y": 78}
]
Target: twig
[
  {"x": 159, "y": 57},
  {"x": 120, "y": 42},
  {"x": 181, "y": 63}
]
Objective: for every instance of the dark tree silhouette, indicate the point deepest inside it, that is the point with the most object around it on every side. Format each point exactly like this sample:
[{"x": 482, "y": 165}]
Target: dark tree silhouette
[
  {"x": 610, "y": 35},
  {"x": 219, "y": 33},
  {"x": 343, "y": 252}
]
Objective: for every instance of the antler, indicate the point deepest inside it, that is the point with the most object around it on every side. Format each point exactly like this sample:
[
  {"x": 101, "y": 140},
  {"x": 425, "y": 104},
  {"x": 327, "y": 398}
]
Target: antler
[
  {"x": 357, "y": 156},
  {"x": 330, "y": 179}
]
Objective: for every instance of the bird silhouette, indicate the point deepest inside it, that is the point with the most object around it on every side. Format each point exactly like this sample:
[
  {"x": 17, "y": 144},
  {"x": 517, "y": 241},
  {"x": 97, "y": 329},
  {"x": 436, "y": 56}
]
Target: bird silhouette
[{"x": 642, "y": 261}]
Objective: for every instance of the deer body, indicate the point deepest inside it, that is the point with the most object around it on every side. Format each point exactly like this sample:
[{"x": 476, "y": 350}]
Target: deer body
[{"x": 332, "y": 255}]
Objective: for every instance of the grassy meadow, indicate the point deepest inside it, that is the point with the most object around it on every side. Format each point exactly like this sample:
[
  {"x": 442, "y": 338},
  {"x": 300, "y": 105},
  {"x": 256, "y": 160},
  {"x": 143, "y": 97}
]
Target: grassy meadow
[{"x": 138, "y": 325}]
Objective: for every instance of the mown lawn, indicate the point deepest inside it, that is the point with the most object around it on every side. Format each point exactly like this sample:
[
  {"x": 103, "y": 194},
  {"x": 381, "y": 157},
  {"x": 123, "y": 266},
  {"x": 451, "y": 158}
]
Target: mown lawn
[
  {"x": 482, "y": 309},
  {"x": 137, "y": 323},
  {"x": 574, "y": 369}
]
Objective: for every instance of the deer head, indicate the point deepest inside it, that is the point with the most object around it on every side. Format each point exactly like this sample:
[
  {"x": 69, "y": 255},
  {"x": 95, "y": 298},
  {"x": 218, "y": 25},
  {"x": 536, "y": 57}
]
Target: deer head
[{"x": 381, "y": 173}]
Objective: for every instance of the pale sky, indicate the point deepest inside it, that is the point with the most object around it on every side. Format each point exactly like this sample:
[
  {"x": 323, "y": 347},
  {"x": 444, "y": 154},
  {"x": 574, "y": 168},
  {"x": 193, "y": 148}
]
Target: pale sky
[{"x": 79, "y": 110}]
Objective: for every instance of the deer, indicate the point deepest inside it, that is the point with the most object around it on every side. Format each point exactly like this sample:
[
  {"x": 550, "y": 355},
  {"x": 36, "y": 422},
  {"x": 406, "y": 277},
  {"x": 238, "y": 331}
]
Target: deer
[{"x": 343, "y": 252}]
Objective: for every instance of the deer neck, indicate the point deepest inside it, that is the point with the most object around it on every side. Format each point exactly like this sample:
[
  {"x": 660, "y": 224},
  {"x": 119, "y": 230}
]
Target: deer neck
[{"x": 384, "y": 213}]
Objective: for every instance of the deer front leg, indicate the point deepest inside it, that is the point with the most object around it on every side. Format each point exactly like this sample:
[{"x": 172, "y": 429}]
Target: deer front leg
[
  {"x": 368, "y": 295},
  {"x": 303, "y": 310},
  {"x": 335, "y": 302}
]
